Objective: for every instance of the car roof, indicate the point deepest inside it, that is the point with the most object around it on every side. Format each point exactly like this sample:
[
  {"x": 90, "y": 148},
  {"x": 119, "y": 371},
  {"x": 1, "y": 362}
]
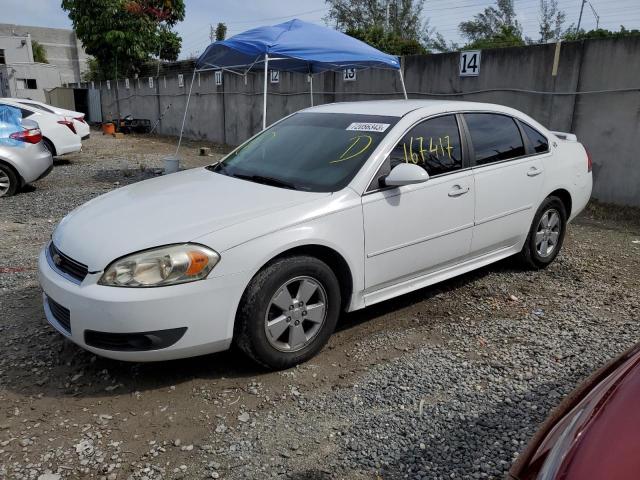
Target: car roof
[{"x": 399, "y": 108}]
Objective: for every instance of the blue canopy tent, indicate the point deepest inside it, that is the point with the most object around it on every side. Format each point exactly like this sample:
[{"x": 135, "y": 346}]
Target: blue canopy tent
[{"x": 293, "y": 46}]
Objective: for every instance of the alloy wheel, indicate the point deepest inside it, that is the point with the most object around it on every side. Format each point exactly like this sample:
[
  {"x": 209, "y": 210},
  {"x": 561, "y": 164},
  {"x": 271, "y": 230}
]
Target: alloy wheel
[
  {"x": 5, "y": 183},
  {"x": 295, "y": 314},
  {"x": 548, "y": 233}
]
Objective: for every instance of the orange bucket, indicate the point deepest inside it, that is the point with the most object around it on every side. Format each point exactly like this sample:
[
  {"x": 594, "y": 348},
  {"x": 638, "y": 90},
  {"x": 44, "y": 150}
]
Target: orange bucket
[{"x": 108, "y": 128}]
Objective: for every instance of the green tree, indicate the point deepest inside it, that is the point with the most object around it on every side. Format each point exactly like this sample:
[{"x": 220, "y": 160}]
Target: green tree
[
  {"x": 497, "y": 26},
  {"x": 388, "y": 42},
  {"x": 551, "y": 21},
  {"x": 401, "y": 18},
  {"x": 124, "y": 34},
  {"x": 221, "y": 32},
  {"x": 572, "y": 34},
  {"x": 39, "y": 53},
  {"x": 505, "y": 37}
]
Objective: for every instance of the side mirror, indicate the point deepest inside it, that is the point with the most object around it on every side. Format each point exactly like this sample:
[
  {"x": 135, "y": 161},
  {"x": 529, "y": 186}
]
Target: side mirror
[{"x": 406, "y": 174}]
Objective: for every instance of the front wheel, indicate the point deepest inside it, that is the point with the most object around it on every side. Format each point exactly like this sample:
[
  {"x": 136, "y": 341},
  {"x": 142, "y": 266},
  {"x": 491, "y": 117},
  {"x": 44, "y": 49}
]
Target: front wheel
[
  {"x": 288, "y": 312},
  {"x": 546, "y": 234}
]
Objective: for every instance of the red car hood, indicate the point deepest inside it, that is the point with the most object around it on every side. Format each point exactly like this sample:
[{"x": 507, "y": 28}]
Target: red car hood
[{"x": 595, "y": 433}]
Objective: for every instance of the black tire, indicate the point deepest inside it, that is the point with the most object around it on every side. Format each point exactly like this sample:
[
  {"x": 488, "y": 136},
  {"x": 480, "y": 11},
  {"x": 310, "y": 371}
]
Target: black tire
[
  {"x": 530, "y": 254},
  {"x": 250, "y": 332},
  {"x": 49, "y": 146},
  {"x": 7, "y": 173}
]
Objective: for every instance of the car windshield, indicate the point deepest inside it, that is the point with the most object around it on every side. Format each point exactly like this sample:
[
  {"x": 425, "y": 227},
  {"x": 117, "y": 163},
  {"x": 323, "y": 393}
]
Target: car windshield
[{"x": 317, "y": 152}]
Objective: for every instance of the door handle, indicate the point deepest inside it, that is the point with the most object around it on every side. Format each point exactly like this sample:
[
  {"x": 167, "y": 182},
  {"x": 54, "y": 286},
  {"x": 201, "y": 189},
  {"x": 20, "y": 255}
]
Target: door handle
[
  {"x": 457, "y": 190},
  {"x": 534, "y": 171}
]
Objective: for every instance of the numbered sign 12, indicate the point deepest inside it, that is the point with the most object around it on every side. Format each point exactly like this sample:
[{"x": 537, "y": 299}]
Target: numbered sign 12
[
  {"x": 349, "y": 75},
  {"x": 275, "y": 76},
  {"x": 218, "y": 77},
  {"x": 470, "y": 63}
]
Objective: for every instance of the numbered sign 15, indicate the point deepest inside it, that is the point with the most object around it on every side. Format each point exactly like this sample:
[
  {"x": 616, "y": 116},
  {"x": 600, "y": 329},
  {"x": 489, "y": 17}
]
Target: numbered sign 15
[
  {"x": 349, "y": 75},
  {"x": 218, "y": 77},
  {"x": 275, "y": 76},
  {"x": 470, "y": 63}
]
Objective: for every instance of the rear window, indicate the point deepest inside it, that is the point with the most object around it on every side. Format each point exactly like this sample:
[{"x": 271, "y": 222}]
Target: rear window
[
  {"x": 37, "y": 106},
  {"x": 538, "y": 141},
  {"x": 495, "y": 137}
]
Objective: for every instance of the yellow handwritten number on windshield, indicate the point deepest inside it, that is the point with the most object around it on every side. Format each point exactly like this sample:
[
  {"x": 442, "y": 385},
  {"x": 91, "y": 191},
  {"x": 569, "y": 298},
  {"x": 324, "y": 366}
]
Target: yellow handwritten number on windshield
[{"x": 365, "y": 140}]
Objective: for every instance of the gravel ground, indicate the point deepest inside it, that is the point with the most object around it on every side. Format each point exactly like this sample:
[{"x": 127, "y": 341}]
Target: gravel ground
[{"x": 446, "y": 382}]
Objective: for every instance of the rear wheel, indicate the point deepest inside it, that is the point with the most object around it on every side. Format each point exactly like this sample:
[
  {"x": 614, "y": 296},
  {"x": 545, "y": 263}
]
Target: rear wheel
[
  {"x": 288, "y": 312},
  {"x": 546, "y": 234},
  {"x": 9, "y": 181},
  {"x": 49, "y": 146}
]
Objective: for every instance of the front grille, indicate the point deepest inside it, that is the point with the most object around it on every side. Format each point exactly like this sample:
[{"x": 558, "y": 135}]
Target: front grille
[
  {"x": 61, "y": 314},
  {"x": 67, "y": 265}
]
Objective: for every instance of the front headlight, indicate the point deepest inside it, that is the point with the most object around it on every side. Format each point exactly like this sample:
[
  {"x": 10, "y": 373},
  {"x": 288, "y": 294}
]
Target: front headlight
[{"x": 162, "y": 266}]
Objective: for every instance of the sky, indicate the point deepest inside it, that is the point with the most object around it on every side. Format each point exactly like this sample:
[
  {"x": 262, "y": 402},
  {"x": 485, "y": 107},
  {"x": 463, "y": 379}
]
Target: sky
[{"x": 444, "y": 15}]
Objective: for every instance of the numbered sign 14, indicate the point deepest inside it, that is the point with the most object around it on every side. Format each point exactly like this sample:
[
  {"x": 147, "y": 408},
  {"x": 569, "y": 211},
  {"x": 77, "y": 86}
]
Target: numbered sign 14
[
  {"x": 470, "y": 63},
  {"x": 349, "y": 75}
]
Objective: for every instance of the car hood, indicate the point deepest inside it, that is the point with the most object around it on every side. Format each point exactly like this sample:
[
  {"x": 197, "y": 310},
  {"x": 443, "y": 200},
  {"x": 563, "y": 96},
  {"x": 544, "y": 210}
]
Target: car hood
[{"x": 170, "y": 209}]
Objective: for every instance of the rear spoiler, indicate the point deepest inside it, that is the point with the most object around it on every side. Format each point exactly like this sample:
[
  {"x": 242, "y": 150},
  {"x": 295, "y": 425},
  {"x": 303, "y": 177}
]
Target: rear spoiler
[{"x": 569, "y": 137}]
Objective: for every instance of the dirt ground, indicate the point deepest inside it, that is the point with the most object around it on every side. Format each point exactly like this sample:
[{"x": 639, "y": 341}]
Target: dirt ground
[{"x": 69, "y": 414}]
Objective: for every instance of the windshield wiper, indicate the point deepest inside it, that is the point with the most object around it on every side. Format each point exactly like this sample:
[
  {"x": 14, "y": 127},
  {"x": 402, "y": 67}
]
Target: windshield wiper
[{"x": 266, "y": 180}]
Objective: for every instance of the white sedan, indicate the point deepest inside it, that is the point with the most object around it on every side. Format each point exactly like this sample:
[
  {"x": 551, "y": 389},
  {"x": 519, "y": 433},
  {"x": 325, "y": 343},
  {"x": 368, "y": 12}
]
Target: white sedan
[
  {"x": 331, "y": 209},
  {"x": 81, "y": 125},
  {"x": 59, "y": 134}
]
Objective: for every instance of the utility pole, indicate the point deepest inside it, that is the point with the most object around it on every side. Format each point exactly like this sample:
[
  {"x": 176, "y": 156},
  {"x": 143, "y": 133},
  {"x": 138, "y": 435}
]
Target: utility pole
[
  {"x": 212, "y": 33},
  {"x": 580, "y": 17},
  {"x": 595, "y": 14}
]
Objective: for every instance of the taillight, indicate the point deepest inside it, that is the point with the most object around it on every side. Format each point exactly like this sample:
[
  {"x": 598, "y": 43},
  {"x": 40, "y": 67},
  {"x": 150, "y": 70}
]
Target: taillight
[
  {"x": 68, "y": 123},
  {"x": 589, "y": 161},
  {"x": 32, "y": 135},
  {"x": 80, "y": 119}
]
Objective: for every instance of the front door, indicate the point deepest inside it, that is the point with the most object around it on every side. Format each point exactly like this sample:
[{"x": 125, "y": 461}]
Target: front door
[{"x": 415, "y": 229}]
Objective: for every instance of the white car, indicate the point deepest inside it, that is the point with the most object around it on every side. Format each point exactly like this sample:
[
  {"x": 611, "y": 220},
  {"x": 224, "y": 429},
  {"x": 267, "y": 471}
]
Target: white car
[
  {"x": 81, "y": 125},
  {"x": 331, "y": 209},
  {"x": 59, "y": 133}
]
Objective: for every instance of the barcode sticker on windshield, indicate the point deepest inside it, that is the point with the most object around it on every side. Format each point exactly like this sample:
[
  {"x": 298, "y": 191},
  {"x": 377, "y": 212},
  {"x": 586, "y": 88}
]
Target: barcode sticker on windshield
[{"x": 368, "y": 127}]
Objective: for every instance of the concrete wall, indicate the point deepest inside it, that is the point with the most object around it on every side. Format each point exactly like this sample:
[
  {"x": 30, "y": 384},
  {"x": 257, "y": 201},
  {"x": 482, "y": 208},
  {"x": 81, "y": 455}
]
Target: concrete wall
[
  {"x": 16, "y": 49},
  {"x": 605, "y": 114},
  {"x": 62, "y": 47},
  {"x": 45, "y": 75}
]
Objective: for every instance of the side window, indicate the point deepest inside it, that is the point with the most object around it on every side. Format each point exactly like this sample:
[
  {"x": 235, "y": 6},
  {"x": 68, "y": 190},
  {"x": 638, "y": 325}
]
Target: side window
[
  {"x": 433, "y": 144},
  {"x": 25, "y": 113},
  {"x": 538, "y": 141},
  {"x": 494, "y": 137}
]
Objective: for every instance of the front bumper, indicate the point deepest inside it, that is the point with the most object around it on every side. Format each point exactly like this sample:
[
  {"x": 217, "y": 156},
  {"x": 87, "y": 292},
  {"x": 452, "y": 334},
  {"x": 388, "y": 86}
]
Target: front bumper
[{"x": 206, "y": 309}]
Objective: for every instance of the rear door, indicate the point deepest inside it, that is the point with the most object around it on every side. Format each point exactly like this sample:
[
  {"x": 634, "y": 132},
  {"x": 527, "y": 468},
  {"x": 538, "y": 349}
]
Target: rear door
[{"x": 508, "y": 178}]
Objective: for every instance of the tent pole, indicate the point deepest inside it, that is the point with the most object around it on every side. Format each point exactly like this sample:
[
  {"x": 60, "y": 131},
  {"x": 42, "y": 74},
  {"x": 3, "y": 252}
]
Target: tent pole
[
  {"x": 404, "y": 89},
  {"x": 264, "y": 100},
  {"x": 311, "y": 88},
  {"x": 184, "y": 118}
]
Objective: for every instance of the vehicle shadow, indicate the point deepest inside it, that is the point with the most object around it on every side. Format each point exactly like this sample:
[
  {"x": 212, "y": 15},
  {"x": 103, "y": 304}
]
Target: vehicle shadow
[{"x": 74, "y": 372}]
